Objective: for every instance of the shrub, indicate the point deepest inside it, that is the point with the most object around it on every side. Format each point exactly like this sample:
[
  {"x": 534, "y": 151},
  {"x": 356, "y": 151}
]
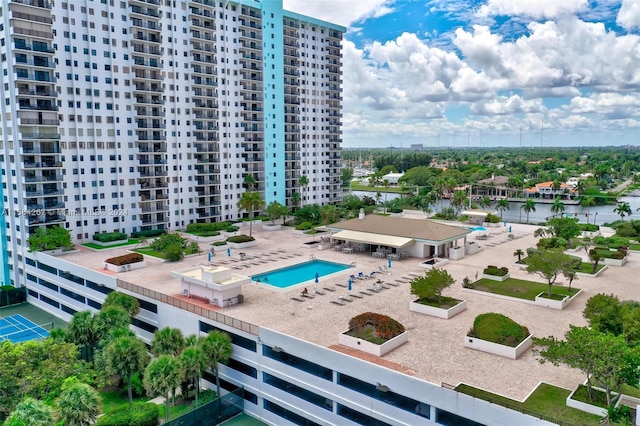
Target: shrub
[
  {"x": 107, "y": 237},
  {"x": 553, "y": 242},
  {"x": 495, "y": 271},
  {"x": 231, "y": 228},
  {"x": 588, "y": 227},
  {"x": 385, "y": 327},
  {"x": 467, "y": 283},
  {"x": 304, "y": 226},
  {"x": 219, "y": 243},
  {"x": 139, "y": 414},
  {"x": 173, "y": 253},
  {"x": 396, "y": 210},
  {"x": 207, "y": 227},
  {"x": 618, "y": 254},
  {"x": 125, "y": 259},
  {"x": 240, "y": 239},
  {"x": 148, "y": 233},
  {"x": 492, "y": 218},
  {"x": 166, "y": 240},
  {"x": 498, "y": 328}
]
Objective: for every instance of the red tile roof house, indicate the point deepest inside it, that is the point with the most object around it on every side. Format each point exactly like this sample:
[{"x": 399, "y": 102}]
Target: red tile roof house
[{"x": 545, "y": 190}]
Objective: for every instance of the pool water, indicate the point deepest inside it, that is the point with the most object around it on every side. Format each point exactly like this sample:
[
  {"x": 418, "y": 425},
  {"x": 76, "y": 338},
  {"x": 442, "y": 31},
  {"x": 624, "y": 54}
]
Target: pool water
[{"x": 296, "y": 274}]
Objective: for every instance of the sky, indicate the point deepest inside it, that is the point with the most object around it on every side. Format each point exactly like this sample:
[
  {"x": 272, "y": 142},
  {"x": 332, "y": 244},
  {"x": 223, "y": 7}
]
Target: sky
[{"x": 466, "y": 73}]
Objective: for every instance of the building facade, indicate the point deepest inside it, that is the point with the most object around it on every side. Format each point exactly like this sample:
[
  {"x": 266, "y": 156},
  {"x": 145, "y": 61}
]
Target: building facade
[{"x": 144, "y": 114}]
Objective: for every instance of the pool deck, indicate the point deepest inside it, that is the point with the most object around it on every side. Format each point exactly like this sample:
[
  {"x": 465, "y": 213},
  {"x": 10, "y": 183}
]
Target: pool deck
[{"x": 435, "y": 351}]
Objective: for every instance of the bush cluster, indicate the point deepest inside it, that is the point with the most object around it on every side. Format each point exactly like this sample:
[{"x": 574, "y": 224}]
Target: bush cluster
[
  {"x": 240, "y": 239},
  {"x": 220, "y": 243},
  {"x": 396, "y": 210},
  {"x": 304, "y": 226},
  {"x": 148, "y": 233},
  {"x": 498, "y": 328},
  {"x": 140, "y": 414},
  {"x": 495, "y": 271},
  {"x": 551, "y": 243},
  {"x": 492, "y": 218},
  {"x": 107, "y": 237},
  {"x": 125, "y": 259},
  {"x": 611, "y": 242},
  {"x": 588, "y": 227},
  {"x": 199, "y": 228},
  {"x": 167, "y": 240},
  {"x": 385, "y": 327}
]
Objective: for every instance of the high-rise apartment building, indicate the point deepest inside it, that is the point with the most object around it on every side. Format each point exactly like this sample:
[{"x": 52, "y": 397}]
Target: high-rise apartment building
[{"x": 144, "y": 114}]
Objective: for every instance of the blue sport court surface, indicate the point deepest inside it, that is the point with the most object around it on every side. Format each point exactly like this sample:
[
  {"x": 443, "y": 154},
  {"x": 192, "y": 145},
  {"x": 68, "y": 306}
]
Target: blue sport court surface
[
  {"x": 16, "y": 328},
  {"x": 296, "y": 274}
]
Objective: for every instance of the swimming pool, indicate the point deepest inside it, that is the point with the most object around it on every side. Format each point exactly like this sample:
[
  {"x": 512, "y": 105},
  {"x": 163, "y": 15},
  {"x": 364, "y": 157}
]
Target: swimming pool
[{"x": 296, "y": 274}]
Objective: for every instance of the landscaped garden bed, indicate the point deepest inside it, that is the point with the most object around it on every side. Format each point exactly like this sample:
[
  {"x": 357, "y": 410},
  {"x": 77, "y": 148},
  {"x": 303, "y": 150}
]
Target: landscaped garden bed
[
  {"x": 520, "y": 290},
  {"x": 494, "y": 273},
  {"x": 108, "y": 239},
  {"x": 497, "y": 334},
  {"x": 100, "y": 246},
  {"x": 579, "y": 399},
  {"x": 241, "y": 241},
  {"x": 374, "y": 333},
  {"x": 430, "y": 301},
  {"x": 126, "y": 262}
]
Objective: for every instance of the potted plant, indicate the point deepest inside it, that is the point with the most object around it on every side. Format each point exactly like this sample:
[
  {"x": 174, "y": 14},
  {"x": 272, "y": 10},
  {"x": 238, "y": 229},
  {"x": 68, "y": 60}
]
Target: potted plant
[
  {"x": 428, "y": 289},
  {"x": 374, "y": 333}
]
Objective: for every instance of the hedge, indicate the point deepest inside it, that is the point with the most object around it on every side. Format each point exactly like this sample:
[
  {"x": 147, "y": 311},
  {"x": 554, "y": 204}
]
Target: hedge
[
  {"x": 125, "y": 259},
  {"x": 492, "y": 218},
  {"x": 148, "y": 233},
  {"x": 219, "y": 243},
  {"x": 240, "y": 239},
  {"x": 304, "y": 226},
  {"x": 498, "y": 328},
  {"x": 207, "y": 227},
  {"x": 139, "y": 414},
  {"x": 588, "y": 227},
  {"x": 495, "y": 271},
  {"x": 107, "y": 237}
]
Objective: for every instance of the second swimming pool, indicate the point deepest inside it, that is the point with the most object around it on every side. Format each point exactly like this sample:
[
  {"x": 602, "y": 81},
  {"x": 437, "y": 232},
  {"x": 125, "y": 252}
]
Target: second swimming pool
[{"x": 296, "y": 274}]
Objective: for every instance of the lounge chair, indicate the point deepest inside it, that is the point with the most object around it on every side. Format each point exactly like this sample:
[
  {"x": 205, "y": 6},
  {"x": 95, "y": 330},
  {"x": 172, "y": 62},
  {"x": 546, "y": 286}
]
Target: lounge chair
[
  {"x": 385, "y": 286},
  {"x": 357, "y": 296},
  {"x": 307, "y": 295},
  {"x": 338, "y": 302},
  {"x": 345, "y": 299},
  {"x": 392, "y": 284},
  {"x": 329, "y": 288},
  {"x": 342, "y": 285},
  {"x": 297, "y": 299},
  {"x": 372, "y": 274},
  {"x": 320, "y": 292},
  {"x": 366, "y": 292}
]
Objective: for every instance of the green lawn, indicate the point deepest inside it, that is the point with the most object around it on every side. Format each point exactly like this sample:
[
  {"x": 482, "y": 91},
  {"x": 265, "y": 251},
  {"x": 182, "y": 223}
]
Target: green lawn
[
  {"x": 586, "y": 268},
  {"x": 520, "y": 289},
  {"x": 114, "y": 399},
  {"x": 130, "y": 242},
  {"x": 546, "y": 400}
]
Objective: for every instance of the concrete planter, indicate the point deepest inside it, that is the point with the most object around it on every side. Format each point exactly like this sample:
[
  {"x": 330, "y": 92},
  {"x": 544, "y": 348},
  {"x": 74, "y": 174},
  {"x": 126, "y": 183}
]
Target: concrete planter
[
  {"x": 227, "y": 234},
  {"x": 372, "y": 348},
  {"x": 582, "y": 274},
  {"x": 300, "y": 232},
  {"x": 555, "y": 304},
  {"x": 242, "y": 245},
  {"x": 471, "y": 247},
  {"x": 439, "y": 262},
  {"x": 496, "y": 278},
  {"x": 456, "y": 253},
  {"x": 217, "y": 249},
  {"x": 615, "y": 262},
  {"x": 497, "y": 349},
  {"x": 591, "y": 234},
  {"x": 584, "y": 406},
  {"x": 396, "y": 214},
  {"x": 205, "y": 240},
  {"x": 433, "y": 311},
  {"x": 123, "y": 268},
  {"x": 271, "y": 227}
]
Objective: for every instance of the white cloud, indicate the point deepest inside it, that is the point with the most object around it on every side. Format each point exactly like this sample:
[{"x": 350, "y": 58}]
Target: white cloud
[
  {"x": 629, "y": 14},
  {"x": 537, "y": 9},
  {"x": 341, "y": 12},
  {"x": 511, "y": 105}
]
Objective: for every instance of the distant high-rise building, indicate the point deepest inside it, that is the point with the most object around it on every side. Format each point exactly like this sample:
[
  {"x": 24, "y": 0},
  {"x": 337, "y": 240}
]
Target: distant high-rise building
[{"x": 145, "y": 114}]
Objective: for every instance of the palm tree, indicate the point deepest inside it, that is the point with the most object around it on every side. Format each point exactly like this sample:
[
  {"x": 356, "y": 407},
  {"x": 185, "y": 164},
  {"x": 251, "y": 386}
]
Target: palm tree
[
  {"x": 124, "y": 357},
  {"x": 217, "y": 349},
  {"x": 595, "y": 257},
  {"x": 304, "y": 183},
  {"x": 295, "y": 199},
  {"x": 79, "y": 405},
  {"x": 519, "y": 253},
  {"x": 528, "y": 207},
  {"x": 110, "y": 318},
  {"x": 329, "y": 214},
  {"x": 484, "y": 202},
  {"x": 557, "y": 207},
  {"x": 458, "y": 201},
  {"x": 502, "y": 205},
  {"x": 193, "y": 364},
  {"x": 167, "y": 341},
  {"x": 161, "y": 376},
  {"x": 31, "y": 412},
  {"x": 623, "y": 209},
  {"x": 126, "y": 302},
  {"x": 570, "y": 274},
  {"x": 588, "y": 202},
  {"x": 82, "y": 331},
  {"x": 250, "y": 181},
  {"x": 385, "y": 184},
  {"x": 251, "y": 201}
]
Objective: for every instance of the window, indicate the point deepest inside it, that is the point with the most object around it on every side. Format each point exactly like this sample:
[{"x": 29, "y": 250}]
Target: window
[
  {"x": 235, "y": 339},
  {"x": 299, "y": 363},
  {"x": 297, "y": 391}
]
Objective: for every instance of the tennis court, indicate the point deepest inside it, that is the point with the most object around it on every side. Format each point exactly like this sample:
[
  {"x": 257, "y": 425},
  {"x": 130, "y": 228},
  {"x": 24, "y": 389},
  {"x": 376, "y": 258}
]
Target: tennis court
[{"x": 17, "y": 328}]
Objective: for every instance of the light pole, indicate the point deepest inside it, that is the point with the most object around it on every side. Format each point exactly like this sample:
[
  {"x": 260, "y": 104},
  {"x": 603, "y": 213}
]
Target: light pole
[{"x": 595, "y": 218}]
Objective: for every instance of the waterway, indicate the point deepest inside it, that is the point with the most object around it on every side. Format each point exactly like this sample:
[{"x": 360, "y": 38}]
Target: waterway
[{"x": 597, "y": 214}]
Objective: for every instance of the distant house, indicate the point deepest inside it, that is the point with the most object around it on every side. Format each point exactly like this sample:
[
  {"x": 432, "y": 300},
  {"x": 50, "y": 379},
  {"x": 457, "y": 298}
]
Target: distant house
[
  {"x": 494, "y": 187},
  {"x": 546, "y": 191},
  {"x": 392, "y": 178}
]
